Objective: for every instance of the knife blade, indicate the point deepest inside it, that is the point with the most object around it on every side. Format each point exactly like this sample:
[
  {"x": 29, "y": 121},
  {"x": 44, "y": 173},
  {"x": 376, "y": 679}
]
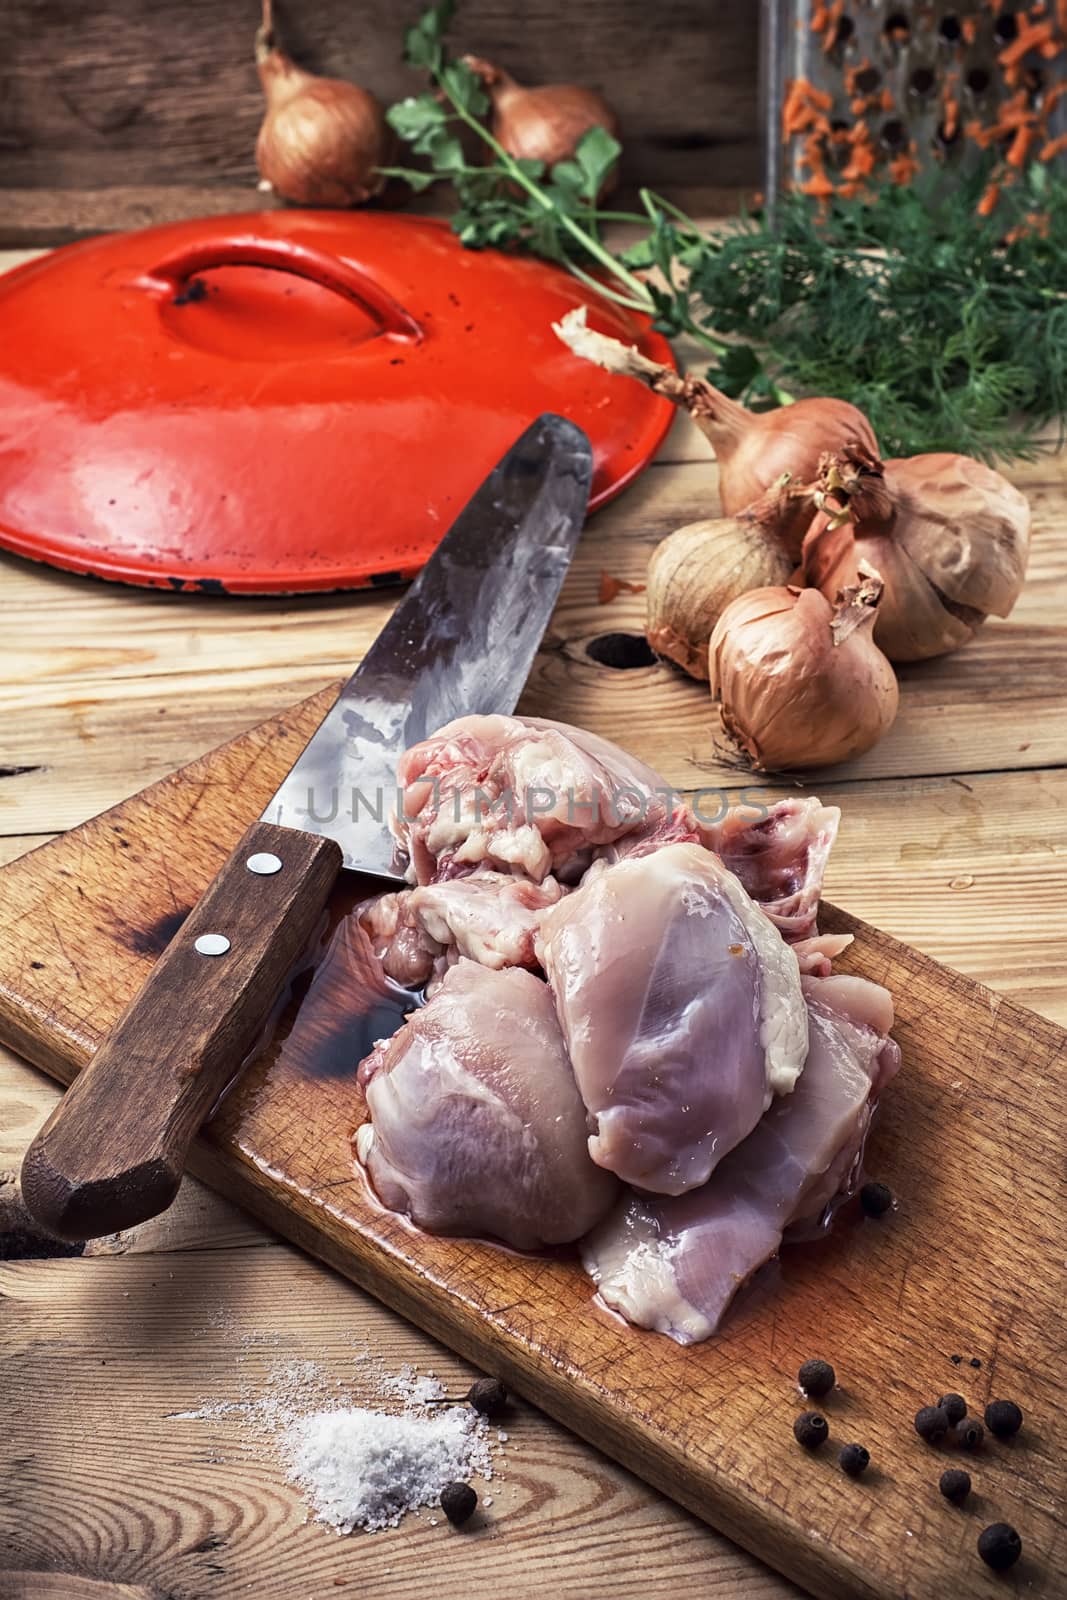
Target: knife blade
[{"x": 461, "y": 640}]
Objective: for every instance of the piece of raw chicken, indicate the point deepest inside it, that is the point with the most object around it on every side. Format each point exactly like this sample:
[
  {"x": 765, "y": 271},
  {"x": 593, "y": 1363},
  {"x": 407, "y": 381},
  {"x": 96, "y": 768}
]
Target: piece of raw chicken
[
  {"x": 780, "y": 858},
  {"x": 477, "y": 1126},
  {"x": 522, "y": 795},
  {"x": 489, "y": 917},
  {"x": 682, "y": 1009},
  {"x": 675, "y": 1264}
]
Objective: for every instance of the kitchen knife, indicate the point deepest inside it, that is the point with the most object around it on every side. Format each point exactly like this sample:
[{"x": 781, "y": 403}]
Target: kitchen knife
[{"x": 461, "y": 640}]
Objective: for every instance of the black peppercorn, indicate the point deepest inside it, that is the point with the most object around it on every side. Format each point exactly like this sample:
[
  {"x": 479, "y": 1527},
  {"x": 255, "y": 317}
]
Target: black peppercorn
[
  {"x": 458, "y": 1501},
  {"x": 954, "y": 1406},
  {"x": 931, "y": 1423},
  {"x": 955, "y": 1484},
  {"x": 875, "y": 1199},
  {"x": 488, "y": 1396},
  {"x": 1003, "y": 1418},
  {"x": 816, "y": 1378},
  {"x": 999, "y": 1546},
  {"x": 854, "y": 1459},
  {"x": 970, "y": 1433},
  {"x": 811, "y": 1430}
]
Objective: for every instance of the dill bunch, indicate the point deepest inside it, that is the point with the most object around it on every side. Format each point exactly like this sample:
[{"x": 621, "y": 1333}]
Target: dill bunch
[{"x": 947, "y": 328}]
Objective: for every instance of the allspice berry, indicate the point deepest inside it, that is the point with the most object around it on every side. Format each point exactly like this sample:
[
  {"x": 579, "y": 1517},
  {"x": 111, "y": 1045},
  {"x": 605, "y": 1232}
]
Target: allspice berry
[
  {"x": 876, "y": 1199},
  {"x": 955, "y": 1485},
  {"x": 816, "y": 1378},
  {"x": 999, "y": 1546},
  {"x": 811, "y": 1430},
  {"x": 458, "y": 1502},
  {"x": 1003, "y": 1418},
  {"x": 488, "y": 1396},
  {"x": 854, "y": 1459},
  {"x": 931, "y": 1423},
  {"x": 970, "y": 1433},
  {"x": 954, "y": 1406}
]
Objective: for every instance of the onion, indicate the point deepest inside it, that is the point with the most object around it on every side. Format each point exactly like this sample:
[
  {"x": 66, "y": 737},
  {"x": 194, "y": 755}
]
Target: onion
[
  {"x": 322, "y": 140},
  {"x": 802, "y": 683},
  {"x": 753, "y": 449},
  {"x": 543, "y": 124},
  {"x": 949, "y": 536},
  {"x": 697, "y": 571}
]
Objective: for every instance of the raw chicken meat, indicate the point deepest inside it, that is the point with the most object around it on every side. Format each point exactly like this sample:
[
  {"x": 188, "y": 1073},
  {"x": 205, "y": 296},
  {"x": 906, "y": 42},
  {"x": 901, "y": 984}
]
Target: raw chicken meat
[
  {"x": 488, "y": 917},
  {"x": 675, "y": 1264},
  {"x": 521, "y": 794},
  {"x": 682, "y": 1010},
  {"x": 817, "y": 954},
  {"x": 780, "y": 858},
  {"x": 477, "y": 1125}
]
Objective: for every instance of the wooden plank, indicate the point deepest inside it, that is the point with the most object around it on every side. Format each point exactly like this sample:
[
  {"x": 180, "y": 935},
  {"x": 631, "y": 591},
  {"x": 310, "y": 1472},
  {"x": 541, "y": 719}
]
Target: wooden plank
[
  {"x": 968, "y": 1265},
  {"x": 280, "y": 1307},
  {"x": 198, "y": 1220},
  {"x": 37, "y": 217},
  {"x": 14, "y": 845},
  {"x": 89, "y": 662},
  {"x": 969, "y": 870},
  {"x": 123, "y": 1490},
  {"x": 136, "y": 92},
  {"x": 54, "y": 216}
]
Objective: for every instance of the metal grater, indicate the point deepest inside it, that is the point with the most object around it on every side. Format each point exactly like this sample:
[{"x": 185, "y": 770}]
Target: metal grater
[{"x": 909, "y": 63}]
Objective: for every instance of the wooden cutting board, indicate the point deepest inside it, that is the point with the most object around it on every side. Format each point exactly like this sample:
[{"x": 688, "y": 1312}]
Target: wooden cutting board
[{"x": 969, "y": 1136}]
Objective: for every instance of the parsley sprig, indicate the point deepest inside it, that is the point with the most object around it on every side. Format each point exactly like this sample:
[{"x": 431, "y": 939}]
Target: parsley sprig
[{"x": 949, "y": 329}]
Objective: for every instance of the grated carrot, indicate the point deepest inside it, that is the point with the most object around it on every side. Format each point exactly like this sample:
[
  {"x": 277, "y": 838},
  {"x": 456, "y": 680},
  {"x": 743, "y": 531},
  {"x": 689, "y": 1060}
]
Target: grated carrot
[
  {"x": 1031, "y": 36},
  {"x": 833, "y": 17},
  {"x": 989, "y": 200},
  {"x": 902, "y": 168},
  {"x": 1019, "y": 146},
  {"x": 1053, "y": 148}
]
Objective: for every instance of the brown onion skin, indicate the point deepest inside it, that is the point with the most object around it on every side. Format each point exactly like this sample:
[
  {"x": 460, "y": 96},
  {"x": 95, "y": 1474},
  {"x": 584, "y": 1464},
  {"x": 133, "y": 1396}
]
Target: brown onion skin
[
  {"x": 949, "y": 536},
  {"x": 754, "y": 448},
  {"x": 791, "y": 698},
  {"x": 322, "y": 139},
  {"x": 546, "y": 123},
  {"x": 696, "y": 572},
  {"x": 685, "y": 601}
]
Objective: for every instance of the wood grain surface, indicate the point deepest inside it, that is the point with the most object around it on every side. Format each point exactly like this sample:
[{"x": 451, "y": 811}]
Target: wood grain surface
[
  {"x": 159, "y": 99},
  {"x": 107, "y": 1491},
  {"x": 102, "y": 691},
  {"x": 968, "y": 1264}
]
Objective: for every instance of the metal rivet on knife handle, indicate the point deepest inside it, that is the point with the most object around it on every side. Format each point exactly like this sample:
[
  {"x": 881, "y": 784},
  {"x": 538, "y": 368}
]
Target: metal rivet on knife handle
[
  {"x": 113, "y": 1151},
  {"x": 264, "y": 864}
]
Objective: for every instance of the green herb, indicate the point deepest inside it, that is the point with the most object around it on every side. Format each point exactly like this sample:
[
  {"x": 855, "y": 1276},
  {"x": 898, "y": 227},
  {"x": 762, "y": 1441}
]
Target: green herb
[{"x": 947, "y": 328}]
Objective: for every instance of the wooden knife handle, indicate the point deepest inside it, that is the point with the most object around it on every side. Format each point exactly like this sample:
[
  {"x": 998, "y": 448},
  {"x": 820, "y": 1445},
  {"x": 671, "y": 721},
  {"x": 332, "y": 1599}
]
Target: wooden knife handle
[{"x": 113, "y": 1151}]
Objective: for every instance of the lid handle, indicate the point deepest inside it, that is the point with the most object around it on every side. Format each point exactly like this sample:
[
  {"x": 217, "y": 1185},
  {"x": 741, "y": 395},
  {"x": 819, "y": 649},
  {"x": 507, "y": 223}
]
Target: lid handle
[{"x": 286, "y": 255}]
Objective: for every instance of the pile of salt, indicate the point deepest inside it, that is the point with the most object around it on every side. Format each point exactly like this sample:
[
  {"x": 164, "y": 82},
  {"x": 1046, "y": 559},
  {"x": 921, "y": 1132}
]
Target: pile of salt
[{"x": 365, "y": 1469}]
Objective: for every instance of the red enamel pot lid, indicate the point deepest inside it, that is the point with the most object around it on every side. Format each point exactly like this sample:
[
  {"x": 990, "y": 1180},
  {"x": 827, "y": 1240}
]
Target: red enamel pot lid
[{"x": 287, "y": 401}]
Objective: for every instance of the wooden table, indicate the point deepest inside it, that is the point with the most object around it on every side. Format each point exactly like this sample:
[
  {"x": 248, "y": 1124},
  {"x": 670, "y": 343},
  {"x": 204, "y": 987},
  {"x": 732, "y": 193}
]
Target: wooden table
[{"x": 951, "y": 841}]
